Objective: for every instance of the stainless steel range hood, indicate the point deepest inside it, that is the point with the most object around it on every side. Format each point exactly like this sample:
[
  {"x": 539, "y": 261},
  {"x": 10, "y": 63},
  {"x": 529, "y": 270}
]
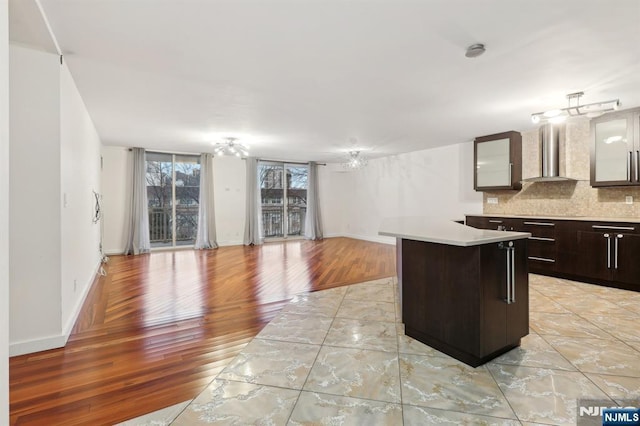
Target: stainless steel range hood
[{"x": 549, "y": 138}]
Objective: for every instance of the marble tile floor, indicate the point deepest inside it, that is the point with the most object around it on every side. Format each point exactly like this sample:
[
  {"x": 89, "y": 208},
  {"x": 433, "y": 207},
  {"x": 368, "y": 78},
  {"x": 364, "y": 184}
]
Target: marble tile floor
[{"x": 340, "y": 356}]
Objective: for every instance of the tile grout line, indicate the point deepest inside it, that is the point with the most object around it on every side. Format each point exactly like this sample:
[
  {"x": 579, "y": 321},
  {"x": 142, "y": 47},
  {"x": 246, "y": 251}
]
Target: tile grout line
[{"x": 318, "y": 354}]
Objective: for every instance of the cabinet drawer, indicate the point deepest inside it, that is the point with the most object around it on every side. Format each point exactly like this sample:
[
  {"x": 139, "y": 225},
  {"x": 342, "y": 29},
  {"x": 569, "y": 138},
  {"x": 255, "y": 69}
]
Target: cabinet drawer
[
  {"x": 542, "y": 249},
  {"x": 540, "y": 228}
]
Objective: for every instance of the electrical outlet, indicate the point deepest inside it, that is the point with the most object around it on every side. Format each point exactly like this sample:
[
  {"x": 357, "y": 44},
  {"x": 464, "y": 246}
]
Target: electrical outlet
[
  {"x": 628, "y": 199},
  {"x": 492, "y": 200}
]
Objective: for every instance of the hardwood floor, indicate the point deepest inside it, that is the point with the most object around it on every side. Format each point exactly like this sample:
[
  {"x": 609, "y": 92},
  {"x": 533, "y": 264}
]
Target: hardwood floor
[{"x": 158, "y": 328}]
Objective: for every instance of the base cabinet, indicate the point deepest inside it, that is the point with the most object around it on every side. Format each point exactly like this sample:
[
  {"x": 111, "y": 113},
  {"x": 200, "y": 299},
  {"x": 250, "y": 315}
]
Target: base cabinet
[
  {"x": 603, "y": 253},
  {"x": 471, "y": 303},
  {"x": 611, "y": 256}
]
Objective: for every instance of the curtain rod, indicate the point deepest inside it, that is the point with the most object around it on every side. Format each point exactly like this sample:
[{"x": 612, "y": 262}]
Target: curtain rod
[
  {"x": 169, "y": 152},
  {"x": 259, "y": 159},
  {"x": 286, "y": 162}
]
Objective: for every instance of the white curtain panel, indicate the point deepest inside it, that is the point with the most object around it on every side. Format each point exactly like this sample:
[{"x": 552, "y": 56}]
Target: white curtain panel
[
  {"x": 138, "y": 236},
  {"x": 313, "y": 221},
  {"x": 206, "y": 235},
  {"x": 253, "y": 224}
]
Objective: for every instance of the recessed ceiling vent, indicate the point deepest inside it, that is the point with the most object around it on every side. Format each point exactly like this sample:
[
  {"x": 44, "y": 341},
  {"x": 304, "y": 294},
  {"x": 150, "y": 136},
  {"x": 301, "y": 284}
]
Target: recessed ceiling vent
[{"x": 549, "y": 137}]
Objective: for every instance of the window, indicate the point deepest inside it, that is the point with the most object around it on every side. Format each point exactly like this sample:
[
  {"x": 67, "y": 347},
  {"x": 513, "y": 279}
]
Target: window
[
  {"x": 173, "y": 188},
  {"x": 283, "y": 191}
]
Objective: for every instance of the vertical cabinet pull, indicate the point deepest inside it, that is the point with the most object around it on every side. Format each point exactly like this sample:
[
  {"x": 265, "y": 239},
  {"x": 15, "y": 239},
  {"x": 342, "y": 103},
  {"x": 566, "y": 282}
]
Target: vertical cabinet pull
[
  {"x": 511, "y": 271},
  {"x": 508, "y": 276},
  {"x": 512, "y": 250},
  {"x": 637, "y": 166},
  {"x": 615, "y": 253},
  {"x": 608, "y": 250},
  {"x": 629, "y": 166}
]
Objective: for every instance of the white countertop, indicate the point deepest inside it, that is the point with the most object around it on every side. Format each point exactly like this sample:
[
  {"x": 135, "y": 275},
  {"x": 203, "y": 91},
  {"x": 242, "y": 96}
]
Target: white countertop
[
  {"x": 550, "y": 217},
  {"x": 443, "y": 231}
]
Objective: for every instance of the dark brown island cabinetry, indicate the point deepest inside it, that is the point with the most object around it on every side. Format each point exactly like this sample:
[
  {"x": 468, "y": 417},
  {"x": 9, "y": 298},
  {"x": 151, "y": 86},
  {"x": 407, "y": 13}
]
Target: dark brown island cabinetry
[
  {"x": 469, "y": 302},
  {"x": 605, "y": 253}
]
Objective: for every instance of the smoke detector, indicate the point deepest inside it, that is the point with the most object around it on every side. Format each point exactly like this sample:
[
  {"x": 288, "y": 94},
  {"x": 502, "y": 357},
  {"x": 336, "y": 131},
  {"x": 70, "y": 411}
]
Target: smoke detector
[{"x": 475, "y": 50}]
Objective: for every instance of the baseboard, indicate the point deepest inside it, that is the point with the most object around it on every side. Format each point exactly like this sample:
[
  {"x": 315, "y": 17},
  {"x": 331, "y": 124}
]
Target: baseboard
[
  {"x": 66, "y": 330},
  {"x": 374, "y": 239},
  {"x": 55, "y": 341},
  {"x": 114, "y": 252},
  {"x": 230, "y": 243},
  {"x": 37, "y": 345}
]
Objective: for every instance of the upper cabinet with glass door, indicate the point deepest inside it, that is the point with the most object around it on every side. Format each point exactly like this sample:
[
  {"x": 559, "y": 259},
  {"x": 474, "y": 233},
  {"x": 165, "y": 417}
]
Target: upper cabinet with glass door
[
  {"x": 498, "y": 161},
  {"x": 615, "y": 149}
]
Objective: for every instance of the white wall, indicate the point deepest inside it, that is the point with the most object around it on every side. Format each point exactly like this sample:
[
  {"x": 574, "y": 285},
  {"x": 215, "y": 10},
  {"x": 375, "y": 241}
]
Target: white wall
[
  {"x": 34, "y": 204},
  {"x": 80, "y": 176},
  {"x": 229, "y": 179},
  {"x": 334, "y": 183},
  {"x": 4, "y": 213},
  {"x": 434, "y": 182},
  {"x": 55, "y": 166},
  {"x": 229, "y": 186},
  {"x": 116, "y": 192}
]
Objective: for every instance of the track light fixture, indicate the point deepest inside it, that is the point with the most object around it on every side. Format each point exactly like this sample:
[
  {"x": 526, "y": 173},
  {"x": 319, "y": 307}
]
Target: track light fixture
[{"x": 590, "y": 110}]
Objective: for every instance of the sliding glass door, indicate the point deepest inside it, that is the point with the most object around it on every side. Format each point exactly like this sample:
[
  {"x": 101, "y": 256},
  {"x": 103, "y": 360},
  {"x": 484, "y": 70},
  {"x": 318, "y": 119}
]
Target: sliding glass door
[
  {"x": 283, "y": 191},
  {"x": 173, "y": 188}
]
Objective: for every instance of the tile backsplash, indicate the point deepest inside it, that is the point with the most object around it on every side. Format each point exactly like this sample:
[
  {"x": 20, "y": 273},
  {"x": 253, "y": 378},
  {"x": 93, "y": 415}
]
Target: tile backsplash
[{"x": 567, "y": 198}]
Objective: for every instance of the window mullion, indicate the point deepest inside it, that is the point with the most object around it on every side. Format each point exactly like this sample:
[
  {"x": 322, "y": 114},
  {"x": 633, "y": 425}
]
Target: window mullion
[
  {"x": 285, "y": 203},
  {"x": 173, "y": 200}
]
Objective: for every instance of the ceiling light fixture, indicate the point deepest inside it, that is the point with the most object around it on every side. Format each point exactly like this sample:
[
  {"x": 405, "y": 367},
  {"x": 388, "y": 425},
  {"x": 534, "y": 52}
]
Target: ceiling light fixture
[
  {"x": 230, "y": 147},
  {"x": 355, "y": 161},
  {"x": 475, "y": 50},
  {"x": 590, "y": 110}
]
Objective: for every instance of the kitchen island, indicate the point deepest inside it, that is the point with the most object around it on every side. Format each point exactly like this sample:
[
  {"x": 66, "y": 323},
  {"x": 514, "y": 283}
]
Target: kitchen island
[{"x": 463, "y": 291}]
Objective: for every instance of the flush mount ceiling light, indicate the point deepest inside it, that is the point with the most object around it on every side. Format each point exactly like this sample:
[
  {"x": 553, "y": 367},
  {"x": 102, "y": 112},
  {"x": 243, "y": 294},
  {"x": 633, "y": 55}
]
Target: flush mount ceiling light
[
  {"x": 475, "y": 50},
  {"x": 590, "y": 110},
  {"x": 230, "y": 147},
  {"x": 355, "y": 161}
]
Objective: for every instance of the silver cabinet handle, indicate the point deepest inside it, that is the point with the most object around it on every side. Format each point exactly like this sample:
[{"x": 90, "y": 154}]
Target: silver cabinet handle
[
  {"x": 637, "y": 166},
  {"x": 511, "y": 271},
  {"x": 539, "y": 223},
  {"x": 508, "y": 251},
  {"x": 629, "y": 166},
  {"x": 542, "y": 259},
  {"x": 615, "y": 252},
  {"x": 542, "y": 239},
  {"x": 614, "y": 228},
  {"x": 510, "y": 174},
  {"x": 495, "y": 221},
  {"x": 512, "y": 250},
  {"x": 608, "y": 250}
]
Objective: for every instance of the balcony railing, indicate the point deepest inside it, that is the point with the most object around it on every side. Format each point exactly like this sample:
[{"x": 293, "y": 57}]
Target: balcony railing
[
  {"x": 273, "y": 223},
  {"x": 161, "y": 225}
]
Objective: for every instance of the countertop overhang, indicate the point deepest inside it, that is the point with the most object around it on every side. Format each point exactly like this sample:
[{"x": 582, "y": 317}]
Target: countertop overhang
[{"x": 443, "y": 231}]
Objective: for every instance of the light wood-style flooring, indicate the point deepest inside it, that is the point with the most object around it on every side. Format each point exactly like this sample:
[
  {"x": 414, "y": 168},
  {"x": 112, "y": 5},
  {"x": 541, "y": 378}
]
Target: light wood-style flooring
[{"x": 159, "y": 327}]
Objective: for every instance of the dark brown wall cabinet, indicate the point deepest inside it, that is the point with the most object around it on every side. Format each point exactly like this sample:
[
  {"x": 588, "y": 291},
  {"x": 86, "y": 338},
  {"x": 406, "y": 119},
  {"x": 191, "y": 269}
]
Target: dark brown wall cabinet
[
  {"x": 469, "y": 302},
  {"x": 615, "y": 149},
  {"x": 498, "y": 161}
]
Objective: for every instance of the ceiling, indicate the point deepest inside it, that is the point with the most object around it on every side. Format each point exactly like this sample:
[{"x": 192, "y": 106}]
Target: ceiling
[{"x": 311, "y": 80}]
